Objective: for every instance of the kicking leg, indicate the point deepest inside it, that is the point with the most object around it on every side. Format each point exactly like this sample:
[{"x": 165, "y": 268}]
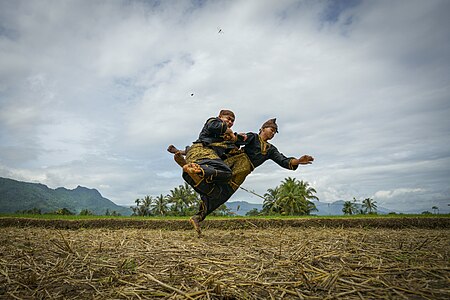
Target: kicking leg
[
  {"x": 179, "y": 158},
  {"x": 178, "y": 155},
  {"x": 193, "y": 170},
  {"x": 195, "y": 222},
  {"x": 200, "y": 215},
  {"x": 172, "y": 149}
]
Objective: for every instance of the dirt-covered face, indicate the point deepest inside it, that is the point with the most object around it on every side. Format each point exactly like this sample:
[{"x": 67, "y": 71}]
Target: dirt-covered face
[{"x": 229, "y": 120}]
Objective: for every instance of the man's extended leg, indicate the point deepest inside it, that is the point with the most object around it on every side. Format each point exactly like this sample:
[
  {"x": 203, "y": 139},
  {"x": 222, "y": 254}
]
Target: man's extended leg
[
  {"x": 215, "y": 170},
  {"x": 215, "y": 200},
  {"x": 179, "y": 158},
  {"x": 172, "y": 149},
  {"x": 206, "y": 171},
  {"x": 195, "y": 222}
]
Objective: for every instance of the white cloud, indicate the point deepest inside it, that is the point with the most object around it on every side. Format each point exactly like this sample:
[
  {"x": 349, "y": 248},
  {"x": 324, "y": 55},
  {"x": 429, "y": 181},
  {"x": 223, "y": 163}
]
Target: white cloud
[
  {"x": 397, "y": 192},
  {"x": 92, "y": 92}
]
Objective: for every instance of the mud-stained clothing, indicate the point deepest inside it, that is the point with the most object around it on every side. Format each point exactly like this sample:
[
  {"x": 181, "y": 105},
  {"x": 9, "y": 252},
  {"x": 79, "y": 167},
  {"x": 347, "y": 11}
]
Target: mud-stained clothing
[
  {"x": 207, "y": 151},
  {"x": 256, "y": 152}
]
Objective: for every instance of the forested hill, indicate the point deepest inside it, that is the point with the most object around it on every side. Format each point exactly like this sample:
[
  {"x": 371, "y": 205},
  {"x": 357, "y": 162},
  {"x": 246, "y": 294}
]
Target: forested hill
[{"x": 19, "y": 196}]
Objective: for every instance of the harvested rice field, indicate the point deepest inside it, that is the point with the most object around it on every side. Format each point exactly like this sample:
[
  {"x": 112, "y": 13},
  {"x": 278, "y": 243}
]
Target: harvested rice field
[{"x": 242, "y": 263}]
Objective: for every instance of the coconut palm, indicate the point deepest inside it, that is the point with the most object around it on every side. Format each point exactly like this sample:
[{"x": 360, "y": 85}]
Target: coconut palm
[
  {"x": 270, "y": 199},
  {"x": 159, "y": 205},
  {"x": 183, "y": 198},
  {"x": 369, "y": 205},
  {"x": 435, "y": 208},
  {"x": 142, "y": 206},
  {"x": 146, "y": 204},
  {"x": 349, "y": 207},
  {"x": 294, "y": 197}
]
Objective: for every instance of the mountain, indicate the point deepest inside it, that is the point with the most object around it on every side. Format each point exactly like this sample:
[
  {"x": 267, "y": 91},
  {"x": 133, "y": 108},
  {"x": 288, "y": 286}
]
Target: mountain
[
  {"x": 18, "y": 196},
  {"x": 324, "y": 208},
  {"x": 240, "y": 208},
  {"x": 335, "y": 208}
]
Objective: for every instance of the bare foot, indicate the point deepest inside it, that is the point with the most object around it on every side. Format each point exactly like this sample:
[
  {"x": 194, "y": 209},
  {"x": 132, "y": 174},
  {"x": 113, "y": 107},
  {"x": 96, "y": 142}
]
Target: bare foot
[
  {"x": 172, "y": 149},
  {"x": 195, "y": 222},
  {"x": 193, "y": 170},
  {"x": 178, "y": 157}
]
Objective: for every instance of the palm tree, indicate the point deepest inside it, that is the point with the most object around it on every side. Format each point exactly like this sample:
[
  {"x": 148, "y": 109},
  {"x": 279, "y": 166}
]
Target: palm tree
[
  {"x": 183, "y": 199},
  {"x": 136, "y": 208},
  {"x": 369, "y": 205},
  {"x": 435, "y": 208},
  {"x": 146, "y": 204},
  {"x": 142, "y": 207},
  {"x": 270, "y": 198},
  {"x": 159, "y": 205},
  {"x": 294, "y": 197},
  {"x": 349, "y": 207}
]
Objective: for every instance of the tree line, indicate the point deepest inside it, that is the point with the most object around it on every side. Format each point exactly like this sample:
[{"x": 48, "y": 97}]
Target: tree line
[
  {"x": 65, "y": 212},
  {"x": 292, "y": 197},
  {"x": 181, "y": 201},
  {"x": 368, "y": 206}
]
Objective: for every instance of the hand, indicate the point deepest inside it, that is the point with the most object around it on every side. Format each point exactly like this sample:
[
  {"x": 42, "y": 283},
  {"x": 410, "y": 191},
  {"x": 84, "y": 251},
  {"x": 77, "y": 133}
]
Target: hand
[
  {"x": 304, "y": 160},
  {"x": 229, "y": 136},
  {"x": 243, "y": 135}
]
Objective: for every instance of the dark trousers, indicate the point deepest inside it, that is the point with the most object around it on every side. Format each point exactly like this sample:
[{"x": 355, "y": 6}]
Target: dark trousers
[
  {"x": 215, "y": 173},
  {"x": 221, "y": 194},
  {"x": 214, "y": 188},
  {"x": 215, "y": 170}
]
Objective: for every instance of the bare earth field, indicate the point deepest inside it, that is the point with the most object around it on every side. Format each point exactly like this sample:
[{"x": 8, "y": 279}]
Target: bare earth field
[{"x": 288, "y": 262}]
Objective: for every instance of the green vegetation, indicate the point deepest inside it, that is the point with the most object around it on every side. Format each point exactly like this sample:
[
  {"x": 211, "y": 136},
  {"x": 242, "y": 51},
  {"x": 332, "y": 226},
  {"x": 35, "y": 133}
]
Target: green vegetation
[
  {"x": 291, "y": 198},
  {"x": 182, "y": 201},
  {"x": 35, "y": 198},
  {"x": 368, "y": 206}
]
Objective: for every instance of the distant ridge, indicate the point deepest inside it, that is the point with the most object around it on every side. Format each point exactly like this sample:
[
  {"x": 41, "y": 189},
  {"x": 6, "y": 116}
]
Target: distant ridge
[
  {"x": 240, "y": 208},
  {"x": 18, "y": 196}
]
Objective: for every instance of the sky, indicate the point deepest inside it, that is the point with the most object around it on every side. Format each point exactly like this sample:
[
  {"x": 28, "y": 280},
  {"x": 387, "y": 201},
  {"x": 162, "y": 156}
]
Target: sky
[{"x": 92, "y": 93}]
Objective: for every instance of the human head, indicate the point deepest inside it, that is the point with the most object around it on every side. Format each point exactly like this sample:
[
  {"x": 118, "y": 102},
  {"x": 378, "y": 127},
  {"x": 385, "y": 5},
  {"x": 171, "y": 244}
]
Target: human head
[
  {"x": 271, "y": 123},
  {"x": 268, "y": 129},
  {"x": 227, "y": 116}
]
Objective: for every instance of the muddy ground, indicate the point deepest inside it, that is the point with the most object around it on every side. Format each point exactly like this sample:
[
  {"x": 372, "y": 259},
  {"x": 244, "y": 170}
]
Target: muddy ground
[
  {"x": 251, "y": 261},
  {"x": 233, "y": 223}
]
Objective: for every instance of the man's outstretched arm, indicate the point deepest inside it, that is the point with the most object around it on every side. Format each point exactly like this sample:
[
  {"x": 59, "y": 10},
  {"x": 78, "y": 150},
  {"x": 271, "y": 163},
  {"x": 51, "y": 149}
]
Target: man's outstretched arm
[{"x": 304, "y": 160}]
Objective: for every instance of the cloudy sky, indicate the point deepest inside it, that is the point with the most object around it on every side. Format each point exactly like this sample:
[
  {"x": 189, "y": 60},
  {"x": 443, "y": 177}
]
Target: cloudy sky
[{"x": 93, "y": 92}]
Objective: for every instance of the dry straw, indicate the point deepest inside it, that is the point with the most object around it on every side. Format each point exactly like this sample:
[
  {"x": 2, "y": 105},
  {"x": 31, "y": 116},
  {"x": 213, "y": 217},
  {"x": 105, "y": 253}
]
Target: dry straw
[{"x": 273, "y": 263}]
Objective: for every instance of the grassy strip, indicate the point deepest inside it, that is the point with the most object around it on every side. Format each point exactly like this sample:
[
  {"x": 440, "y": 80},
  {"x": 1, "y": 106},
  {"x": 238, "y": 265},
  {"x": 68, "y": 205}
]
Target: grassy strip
[
  {"x": 276, "y": 217},
  {"x": 229, "y": 223}
]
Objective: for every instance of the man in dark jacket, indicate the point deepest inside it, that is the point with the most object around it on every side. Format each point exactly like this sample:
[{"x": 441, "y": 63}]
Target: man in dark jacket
[{"x": 257, "y": 150}]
